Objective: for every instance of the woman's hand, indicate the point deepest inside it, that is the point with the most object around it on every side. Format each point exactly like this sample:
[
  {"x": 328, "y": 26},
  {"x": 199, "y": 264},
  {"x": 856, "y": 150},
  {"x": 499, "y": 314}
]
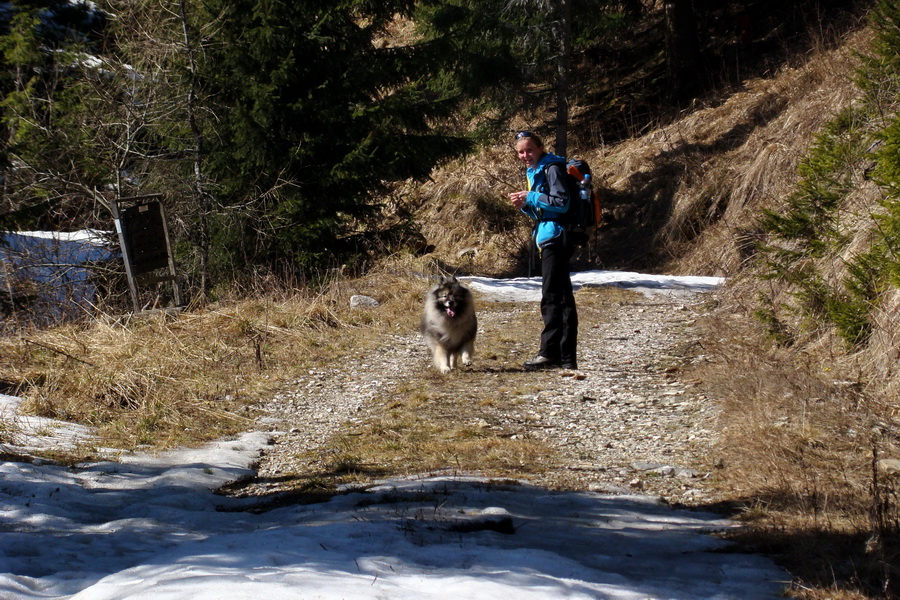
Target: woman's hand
[{"x": 518, "y": 199}]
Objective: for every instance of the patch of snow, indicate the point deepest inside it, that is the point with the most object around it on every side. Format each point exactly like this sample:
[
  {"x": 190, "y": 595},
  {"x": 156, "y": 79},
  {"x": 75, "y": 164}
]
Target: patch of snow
[{"x": 528, "y": 289}]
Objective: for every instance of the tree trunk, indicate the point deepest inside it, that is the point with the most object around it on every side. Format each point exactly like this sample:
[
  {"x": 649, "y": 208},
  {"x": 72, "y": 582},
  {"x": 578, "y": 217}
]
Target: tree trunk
[
  {"x": 562, "y": 79},
  {"x": 682, "y": 48},
  {"x": 200, "y": 194}
]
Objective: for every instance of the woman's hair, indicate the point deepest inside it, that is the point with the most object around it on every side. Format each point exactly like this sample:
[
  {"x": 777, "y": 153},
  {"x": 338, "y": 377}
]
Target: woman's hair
[{"x": 527, "y": 134}]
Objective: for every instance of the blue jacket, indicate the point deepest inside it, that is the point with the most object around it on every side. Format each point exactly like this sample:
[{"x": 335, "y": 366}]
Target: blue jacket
[{"x": 548, "y": 199}]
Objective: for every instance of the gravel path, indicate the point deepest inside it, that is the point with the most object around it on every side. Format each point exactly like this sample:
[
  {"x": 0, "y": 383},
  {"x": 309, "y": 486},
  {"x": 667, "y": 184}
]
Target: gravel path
[{"x": 627, "y": 421}]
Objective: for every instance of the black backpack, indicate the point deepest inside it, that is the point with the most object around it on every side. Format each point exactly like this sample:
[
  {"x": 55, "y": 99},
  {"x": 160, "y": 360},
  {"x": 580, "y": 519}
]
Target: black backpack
[{"x": 583, "y": 215}]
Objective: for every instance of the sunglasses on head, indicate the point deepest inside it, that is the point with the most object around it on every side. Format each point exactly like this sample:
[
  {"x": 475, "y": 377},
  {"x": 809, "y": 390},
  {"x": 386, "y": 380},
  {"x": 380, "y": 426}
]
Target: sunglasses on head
[{"x": 524, "y": 134}]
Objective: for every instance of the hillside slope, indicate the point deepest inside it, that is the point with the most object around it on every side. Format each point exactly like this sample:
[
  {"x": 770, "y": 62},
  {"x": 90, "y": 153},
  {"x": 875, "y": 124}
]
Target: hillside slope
[{"x": 683, "y": 197}]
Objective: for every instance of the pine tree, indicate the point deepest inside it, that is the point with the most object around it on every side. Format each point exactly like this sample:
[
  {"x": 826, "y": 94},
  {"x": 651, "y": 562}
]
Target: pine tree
[
  {"x": 811, "y": 228},
  {"x": 316, "y": 119},
  {"x": 51, "y": 171},
  {"x": 880, "y": 79}
]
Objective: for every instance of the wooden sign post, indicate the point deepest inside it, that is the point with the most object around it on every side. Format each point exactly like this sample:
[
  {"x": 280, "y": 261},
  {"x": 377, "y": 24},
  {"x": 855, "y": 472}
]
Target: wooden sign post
[{"x": 144, "y": 239}]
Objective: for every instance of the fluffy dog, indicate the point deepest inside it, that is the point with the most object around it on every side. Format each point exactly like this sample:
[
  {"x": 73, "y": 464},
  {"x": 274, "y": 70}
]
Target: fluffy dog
[{"x": 449, "y": 324}]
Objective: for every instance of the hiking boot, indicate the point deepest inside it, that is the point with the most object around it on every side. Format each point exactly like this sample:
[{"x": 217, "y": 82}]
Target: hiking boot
[
  {"x": 570, "y": 364},
  {"x": 541, "y": 362}
]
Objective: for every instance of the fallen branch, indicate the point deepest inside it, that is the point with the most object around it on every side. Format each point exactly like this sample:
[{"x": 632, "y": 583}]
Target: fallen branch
[{"x": 58, "y": 351}]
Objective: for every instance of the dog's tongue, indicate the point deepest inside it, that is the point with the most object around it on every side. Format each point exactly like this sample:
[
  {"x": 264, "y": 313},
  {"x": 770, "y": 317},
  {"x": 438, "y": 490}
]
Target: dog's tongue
[{"x": 450, "y": 313}]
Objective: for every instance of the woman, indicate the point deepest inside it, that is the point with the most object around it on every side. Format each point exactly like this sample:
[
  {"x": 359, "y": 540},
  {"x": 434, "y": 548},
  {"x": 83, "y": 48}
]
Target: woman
[{"x": 546, "y": 200}]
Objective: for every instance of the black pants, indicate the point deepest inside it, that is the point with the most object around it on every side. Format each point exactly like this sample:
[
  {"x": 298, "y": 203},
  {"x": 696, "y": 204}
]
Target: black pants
[{"x": 559, "y": 339}]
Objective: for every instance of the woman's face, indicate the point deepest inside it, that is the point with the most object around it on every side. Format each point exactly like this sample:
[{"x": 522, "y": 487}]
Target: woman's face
[{"x": 528, "y": 151}]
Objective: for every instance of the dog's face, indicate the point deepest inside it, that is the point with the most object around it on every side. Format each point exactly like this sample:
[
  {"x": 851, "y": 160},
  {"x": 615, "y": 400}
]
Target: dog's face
[{"x": 450, "y": 297}]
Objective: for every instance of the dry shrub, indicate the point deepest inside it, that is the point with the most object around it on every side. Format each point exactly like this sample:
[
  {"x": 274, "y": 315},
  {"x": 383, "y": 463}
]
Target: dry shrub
[
  {"x": 150, "y": 380},
  {"x": 399, "y": 33},
  {"x": 882, "y": 354}
]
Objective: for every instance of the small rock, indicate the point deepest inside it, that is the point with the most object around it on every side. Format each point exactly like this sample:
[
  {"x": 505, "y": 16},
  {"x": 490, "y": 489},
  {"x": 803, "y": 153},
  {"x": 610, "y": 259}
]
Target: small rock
[
  {"x": 606, "y": 488},
  {"x": 645, "y": 466},
  {"x": 686, "y": 473},
  {"x": 889, "y": 466},
  {"x": 358, "y": 300},
  {"x": 692, "y": 495}
]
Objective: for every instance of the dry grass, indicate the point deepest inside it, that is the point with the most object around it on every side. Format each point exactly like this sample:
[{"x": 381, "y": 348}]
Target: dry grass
[
  {"x": 436, "y": 425},
  {"x": 697, "y": 185},
  {"x": 464, "y": 211},
  {"x": 802, "y": 429},
  {"x": 169, "y": 379}
]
